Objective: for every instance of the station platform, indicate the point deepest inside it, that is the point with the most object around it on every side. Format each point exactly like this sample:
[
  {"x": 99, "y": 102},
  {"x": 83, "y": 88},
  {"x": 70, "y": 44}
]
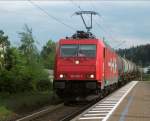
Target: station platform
[{"x": 135, "y": 106}]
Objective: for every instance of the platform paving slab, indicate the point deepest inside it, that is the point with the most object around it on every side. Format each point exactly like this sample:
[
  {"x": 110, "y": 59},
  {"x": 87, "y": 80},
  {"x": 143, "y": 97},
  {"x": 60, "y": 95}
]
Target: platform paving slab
[{"x": 135, "y": 106}]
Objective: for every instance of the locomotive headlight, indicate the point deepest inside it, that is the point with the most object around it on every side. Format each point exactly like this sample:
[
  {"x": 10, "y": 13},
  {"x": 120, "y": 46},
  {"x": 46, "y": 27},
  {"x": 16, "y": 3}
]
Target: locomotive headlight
[
  {"x": 61, "y": 75},
  {"x": 77, "y": 62},
  {"x": 92, "y": 76}
]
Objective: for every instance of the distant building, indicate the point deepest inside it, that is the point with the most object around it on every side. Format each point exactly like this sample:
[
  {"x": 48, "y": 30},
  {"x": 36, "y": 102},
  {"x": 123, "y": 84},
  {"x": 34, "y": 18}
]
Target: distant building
[
  {"x": 2, "y": 53},
  {"x": 50, "y": 72},
  {"x": 1, "y": 49},
  {"x": 146, "y": 69}
]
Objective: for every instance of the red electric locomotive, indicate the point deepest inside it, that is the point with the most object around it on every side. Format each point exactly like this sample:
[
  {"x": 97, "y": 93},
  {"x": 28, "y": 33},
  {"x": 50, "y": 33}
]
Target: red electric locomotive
[{"x": 84, "y": 65}]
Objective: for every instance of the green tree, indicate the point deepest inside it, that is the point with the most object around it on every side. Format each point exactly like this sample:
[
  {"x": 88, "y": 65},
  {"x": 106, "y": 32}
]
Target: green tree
[
  {"x": 4, "y": 45},
  {"x": 15, "y": 58},
  {"x": 34, "y": 70},
  {"x": 23, "y": 71},
  {"x": 28, "y": 47},
  {"x": 48, "y": 54},
  {"x": 15, "y": 77}
]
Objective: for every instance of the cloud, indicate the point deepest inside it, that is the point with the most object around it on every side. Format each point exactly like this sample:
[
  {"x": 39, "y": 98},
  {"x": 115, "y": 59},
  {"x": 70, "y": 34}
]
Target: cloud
[
  {"x": 119, "y": 21},
  {"x": 9, "y": 6}
]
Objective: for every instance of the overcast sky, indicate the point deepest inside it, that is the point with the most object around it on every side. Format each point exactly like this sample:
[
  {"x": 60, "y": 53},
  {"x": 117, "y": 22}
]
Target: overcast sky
[{"x": 122, "y": 23}]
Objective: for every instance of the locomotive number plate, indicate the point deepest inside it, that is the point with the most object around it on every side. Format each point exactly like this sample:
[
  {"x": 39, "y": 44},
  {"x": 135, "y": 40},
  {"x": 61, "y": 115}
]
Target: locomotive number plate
[{"x": 75, "y": 76}]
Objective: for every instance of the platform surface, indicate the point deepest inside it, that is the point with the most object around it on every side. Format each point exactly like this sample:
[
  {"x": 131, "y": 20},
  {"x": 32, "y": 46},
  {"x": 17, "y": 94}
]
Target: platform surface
[
  {"x": 135, "y": 106},
  {"x": 102, "y": 110}
]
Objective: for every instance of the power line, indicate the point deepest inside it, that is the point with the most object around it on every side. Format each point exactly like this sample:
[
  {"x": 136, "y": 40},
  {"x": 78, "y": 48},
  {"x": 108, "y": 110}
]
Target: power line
[
  {"x": 76, "y": 5},
  {"x": 99, "y": 26},
  {"x": 93, "y": 6},
  {"x": 104, "y": 31},
  {"x": 121, "y": 43},
  {"x": 51, "y": 16}
]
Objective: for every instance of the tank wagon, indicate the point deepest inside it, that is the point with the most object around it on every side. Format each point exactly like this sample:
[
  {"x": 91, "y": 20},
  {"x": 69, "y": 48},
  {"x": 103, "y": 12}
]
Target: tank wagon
[{"x": 86, "y": 65}]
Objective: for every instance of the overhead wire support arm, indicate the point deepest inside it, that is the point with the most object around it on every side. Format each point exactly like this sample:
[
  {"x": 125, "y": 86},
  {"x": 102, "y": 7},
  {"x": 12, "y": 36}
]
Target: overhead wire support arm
[
  {"x": 83, "y": 20},
  {"x": 91, "y": 13}
]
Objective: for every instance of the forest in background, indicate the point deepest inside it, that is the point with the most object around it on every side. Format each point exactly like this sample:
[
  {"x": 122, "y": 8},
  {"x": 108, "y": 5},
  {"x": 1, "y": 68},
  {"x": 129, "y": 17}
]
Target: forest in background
[{"x": 138, "y": 54}]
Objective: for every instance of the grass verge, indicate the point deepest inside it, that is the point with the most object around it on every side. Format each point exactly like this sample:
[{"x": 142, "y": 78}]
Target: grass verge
[
  {"x": 146, "y": 77},
  {"x": 19, "y": 104},
  {"x": 4, "y": 113}
]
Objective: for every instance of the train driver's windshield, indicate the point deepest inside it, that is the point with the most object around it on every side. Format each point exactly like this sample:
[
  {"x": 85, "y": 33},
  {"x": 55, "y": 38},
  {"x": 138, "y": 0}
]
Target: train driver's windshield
[{"x": 75, "y": 50}]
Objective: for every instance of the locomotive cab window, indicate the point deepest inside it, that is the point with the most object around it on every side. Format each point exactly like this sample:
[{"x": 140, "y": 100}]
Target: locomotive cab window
[
  {"x": 87, "y": 51},
  {"x": 68, "y": 50}
]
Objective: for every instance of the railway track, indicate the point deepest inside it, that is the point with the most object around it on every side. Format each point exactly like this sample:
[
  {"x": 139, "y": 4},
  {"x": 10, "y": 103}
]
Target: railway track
[
  {"x": 53, "y": 115},
  {"x": 62, "y": 112}
]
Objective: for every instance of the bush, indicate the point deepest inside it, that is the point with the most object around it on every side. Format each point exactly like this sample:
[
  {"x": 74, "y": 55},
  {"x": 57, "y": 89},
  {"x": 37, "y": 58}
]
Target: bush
[
  {"x": 44, "y": 85},
  {"x": 13, "y": 82},
  {"x": 26, "y": 78},
  {"x": 22, "y": 70},
  {"x": 4, "y": 113}
]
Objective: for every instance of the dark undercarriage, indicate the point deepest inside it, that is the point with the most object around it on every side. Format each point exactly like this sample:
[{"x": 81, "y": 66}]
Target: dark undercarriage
[{"x": 73, "y": 88}]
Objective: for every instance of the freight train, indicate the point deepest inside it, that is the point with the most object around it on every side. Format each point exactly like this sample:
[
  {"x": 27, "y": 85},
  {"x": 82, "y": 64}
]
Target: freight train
[{"x": 86, "y": 65}]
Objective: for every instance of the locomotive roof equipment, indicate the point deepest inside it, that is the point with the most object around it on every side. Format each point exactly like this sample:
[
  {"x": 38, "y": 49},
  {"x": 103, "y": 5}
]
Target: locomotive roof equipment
[{"x": 91, "y": 13}]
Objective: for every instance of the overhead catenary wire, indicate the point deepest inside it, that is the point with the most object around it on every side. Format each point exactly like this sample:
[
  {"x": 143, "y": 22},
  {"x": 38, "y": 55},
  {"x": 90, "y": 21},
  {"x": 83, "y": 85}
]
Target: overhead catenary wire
[
  {"x": 106, "y": 31},
  {"x": 98, "y": 25},
  {"x": 51, "y": 16},
  {"x": 108, "y": 27},
  {"x": 118, "y": 45},
  {"x": 76, "y": 5}
]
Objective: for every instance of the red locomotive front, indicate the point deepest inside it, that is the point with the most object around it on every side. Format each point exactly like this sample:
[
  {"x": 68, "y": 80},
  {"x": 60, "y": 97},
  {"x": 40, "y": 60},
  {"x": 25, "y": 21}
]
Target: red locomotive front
[{"x": 78, "y": 69}]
